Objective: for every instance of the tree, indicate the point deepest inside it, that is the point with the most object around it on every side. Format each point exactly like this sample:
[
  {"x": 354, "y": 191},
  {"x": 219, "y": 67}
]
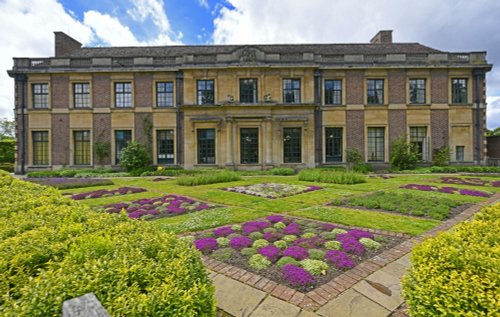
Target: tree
[
  {"x": 134, "y": 157},
  {"x": 7, "y": 129},
  {"x": 495, "y": 132},
  {"x": 404, "y": 155}
]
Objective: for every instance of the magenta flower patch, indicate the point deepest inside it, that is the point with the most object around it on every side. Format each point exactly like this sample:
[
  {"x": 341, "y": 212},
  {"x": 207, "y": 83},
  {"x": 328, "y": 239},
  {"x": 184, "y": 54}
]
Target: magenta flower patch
[
  {"x": 292, "y": 228},
  {"x": 239, "y": 243},
  {"x": 309, "y": 243},
  {"x": 298, "y": 253},
  {"x": 223, "y": 231},
  {"x": 254, "y": 226},
  {"x": 272, "y": 190},
  {"x": 297, "y": 276},
  {"x": 340, "y": 259},
  {"x": 350, "y": 244},
  {"x": 272, "y": 236},
  {"x": 447, "y": 190},
  {"x": 206, "y": 245},
  {"x": 358, "y": 234},
  {"x": 107, "y": 193},
  {"x": 275, "y": 218},
  {"x": 271, "y": 252}
]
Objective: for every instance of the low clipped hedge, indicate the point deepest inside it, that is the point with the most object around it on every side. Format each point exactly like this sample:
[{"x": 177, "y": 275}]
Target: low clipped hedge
[
  {"x": 457, "y": 273},
  {"x": 328, "y": 176},
  {"x": 53, "y": 249},
  {"x": 209, "y": 178}
]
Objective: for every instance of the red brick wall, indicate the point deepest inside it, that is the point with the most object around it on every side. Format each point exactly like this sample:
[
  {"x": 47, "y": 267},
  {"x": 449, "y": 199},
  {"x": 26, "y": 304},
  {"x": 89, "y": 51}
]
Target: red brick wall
[
  {"x": 102, "y": 133},
  {"x": 143, "y": 90},
  {"x": 439, "y": 86},
  {"x": 397, "y": 86},
  {"x": 439, "y": 129},
  {"x": 355, "y": 130},
  {"x": 101, "y": 94},
  {"x": 354, "y": 87},
  {"x": 397, "y": 125},
  {"x": 60, "y": 91},
  {"x": 60, "y": 139}
]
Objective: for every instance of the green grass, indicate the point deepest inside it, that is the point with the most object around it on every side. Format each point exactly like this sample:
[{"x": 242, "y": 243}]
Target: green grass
[
  {"x": 368, "y": 219},
  {"x": 326, "y": 176},
  {"x": 210, "y": 178}
]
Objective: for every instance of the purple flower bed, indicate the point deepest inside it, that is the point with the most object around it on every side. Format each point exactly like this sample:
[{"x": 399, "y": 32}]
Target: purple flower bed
[
  {"x": 272, "y": 190},
  {"x": 446, "y": 190},
  {"x": 152, "y": 208},
  {"x": 286, "y": 242},
  {"x": 464, "y": 181},
  {"x": 108, "y": 193}
]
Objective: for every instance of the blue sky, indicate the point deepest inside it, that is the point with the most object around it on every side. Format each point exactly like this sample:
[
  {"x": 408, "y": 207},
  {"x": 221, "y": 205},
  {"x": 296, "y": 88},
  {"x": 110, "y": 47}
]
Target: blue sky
[{"x": 26, "y": 27}]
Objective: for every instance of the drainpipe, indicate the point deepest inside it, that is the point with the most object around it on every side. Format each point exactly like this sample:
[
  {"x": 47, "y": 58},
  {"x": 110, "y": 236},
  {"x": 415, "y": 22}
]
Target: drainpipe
[
  {"x": 179, "y": 118},
  {"x": 478, "y": 75},
  {"x": 21, "y": 80},
  {"x": 318, "y": 118}
]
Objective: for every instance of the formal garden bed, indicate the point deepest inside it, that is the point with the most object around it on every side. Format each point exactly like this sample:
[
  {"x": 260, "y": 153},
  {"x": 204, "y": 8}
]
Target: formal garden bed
[
  {"x": 447, "y": 190},
  {"x": 302, "y": 254},
  {"x": 405, "y": 203},
  {"x": 107, "y": 193},
  {"x": 471, "y": 181},
  {"x": 160, "y": 207},
  {"x": 69, "y": 182},
  {"x": 272, "y": 190}
]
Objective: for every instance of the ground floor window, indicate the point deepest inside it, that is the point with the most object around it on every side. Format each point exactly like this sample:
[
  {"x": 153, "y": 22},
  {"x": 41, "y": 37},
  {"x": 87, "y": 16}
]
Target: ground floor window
[
  {"x": 40, "y": 147},
  {"x": 292, "y": 145},
  {"x": 418, "y": 139},
  {"x": 81, "y": 147},
  {"x": 206, "y": 146},
  {"x": 249, "y": 145},
  {"x": 122, "y": 138},
  {"x": 333, "y": 145},
  {"x": 165, "y": 146},
  {"x": 460, "y": 153},
  {"x": 376, "y": 144}
]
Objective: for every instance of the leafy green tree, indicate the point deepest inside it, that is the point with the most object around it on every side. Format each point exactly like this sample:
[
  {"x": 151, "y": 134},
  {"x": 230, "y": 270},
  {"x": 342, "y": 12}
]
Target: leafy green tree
[
  {"x": 495, "y": 132},
  {"x": 442, "y": 156},
  {"x": 134, "y": 157},
  {"x": 7, "y": 129},
  {"x": 404, "y": 155}
]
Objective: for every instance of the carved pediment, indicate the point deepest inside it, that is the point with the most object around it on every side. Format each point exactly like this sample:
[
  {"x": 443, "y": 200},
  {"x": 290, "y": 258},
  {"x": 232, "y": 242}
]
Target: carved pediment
[{"x": 249, "y": 55}]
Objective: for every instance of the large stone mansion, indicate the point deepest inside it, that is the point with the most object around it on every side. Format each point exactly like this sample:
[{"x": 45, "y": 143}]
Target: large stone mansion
[{"x": 247, "y": 106}]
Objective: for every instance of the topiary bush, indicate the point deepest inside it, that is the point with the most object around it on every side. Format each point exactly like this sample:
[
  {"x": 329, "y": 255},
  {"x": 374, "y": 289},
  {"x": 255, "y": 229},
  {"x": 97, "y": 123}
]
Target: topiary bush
[
  {"x": 457, "y": 272},
  {"x": 134, "y": 157},
  {"x": 53, "y": 249},
  {"x": 404, "y": 155}
]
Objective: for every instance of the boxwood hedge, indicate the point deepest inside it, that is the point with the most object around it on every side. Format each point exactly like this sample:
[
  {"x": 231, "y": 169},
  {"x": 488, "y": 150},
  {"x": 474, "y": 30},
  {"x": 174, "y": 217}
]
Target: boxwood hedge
[
  {"x": 457, "y": 273},
  {"x": 53, "y": 249}
]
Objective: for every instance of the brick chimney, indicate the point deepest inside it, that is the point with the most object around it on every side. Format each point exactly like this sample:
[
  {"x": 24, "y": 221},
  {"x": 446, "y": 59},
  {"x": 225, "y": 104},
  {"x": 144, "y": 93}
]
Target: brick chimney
[
  {"x": 382, "y": 37},
  {"x": 65, "y": 44}
]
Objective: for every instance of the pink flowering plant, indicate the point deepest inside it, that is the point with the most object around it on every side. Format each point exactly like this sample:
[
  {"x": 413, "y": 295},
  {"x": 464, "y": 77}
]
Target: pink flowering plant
[
  {"x": 446, "y": 190},
  {"x": 107, "y": 193},
  {"x": 272, "y": 190},
  {"x": 166, "y": 206},
  {"x": 285, "y": 251}
]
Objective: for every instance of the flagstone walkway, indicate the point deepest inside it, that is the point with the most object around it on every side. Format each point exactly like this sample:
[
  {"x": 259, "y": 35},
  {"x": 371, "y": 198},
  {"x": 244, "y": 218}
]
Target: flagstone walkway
[{"x": 371, "y": 289}]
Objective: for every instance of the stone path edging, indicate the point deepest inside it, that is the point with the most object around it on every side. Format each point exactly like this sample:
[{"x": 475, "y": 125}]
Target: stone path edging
[{"x": 372, "y": 284}]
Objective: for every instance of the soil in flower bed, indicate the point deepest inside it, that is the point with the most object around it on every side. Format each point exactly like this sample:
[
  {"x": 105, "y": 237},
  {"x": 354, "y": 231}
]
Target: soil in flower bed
[
  {"x": 69, "y": 182},
  {"x": 406, "y": 204},
  {"x": 272, "y": 190},
  {"x": 447, "y": 190},
  {"x": 108, "y": 193},
  {"x": 154, "y": 208},
  {"x": 302, "y": 254}
]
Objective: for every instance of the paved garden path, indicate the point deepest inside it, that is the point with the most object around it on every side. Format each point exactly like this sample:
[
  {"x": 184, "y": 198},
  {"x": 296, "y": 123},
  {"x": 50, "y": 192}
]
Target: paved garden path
[{"x": 372, "y": 289}]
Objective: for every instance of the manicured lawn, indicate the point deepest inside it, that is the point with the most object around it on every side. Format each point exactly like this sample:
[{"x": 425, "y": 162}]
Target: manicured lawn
[{"x": 239, "y": 207}]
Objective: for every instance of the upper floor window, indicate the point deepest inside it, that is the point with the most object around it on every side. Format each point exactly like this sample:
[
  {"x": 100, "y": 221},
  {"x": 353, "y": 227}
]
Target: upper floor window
[
  {"x": 123, "y": 95},
  {"x": 459, "y": 90},
  {"x": 333, "y": 92},
  {"x": 205, "y": 91},
  {"x": 40, "y": 96},
  {"x": 81, "y": 95},
  {"x": 248, "y": 90},
  {"x": 417, "y": 91},
  {"x": 164, "y": 94},
  {"x": 375, "y": 91},
  {"x": 291, "y": 90}
]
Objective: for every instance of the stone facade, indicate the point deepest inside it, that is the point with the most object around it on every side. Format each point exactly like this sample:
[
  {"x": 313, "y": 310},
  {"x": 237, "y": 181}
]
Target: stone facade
[{"x": 306, "y": 106}]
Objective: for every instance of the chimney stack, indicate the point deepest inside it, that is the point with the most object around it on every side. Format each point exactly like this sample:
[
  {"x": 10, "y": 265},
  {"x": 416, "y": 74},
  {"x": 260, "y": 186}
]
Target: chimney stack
[
  {"x": 382, "y": 37},
  {"x": 65, "y": 44}
]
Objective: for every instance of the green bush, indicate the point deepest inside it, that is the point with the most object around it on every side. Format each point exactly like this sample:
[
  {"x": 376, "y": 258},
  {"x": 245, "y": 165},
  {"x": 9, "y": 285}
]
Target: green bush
[
  {"x": 223, "y": 254},
  {"x": 8, "y": 167},
  {"x": 53, "y": 249},
  {"x": 248, "y": 251},
  {"x": 325, "y": 176},
  {"x": 457, "y": 272},
  {"x": 465, "y": 169},
  {"x": 257, "y": 244},
  {"x": 315, "y": 267},
  {"x": 441, "y": 156},
  {"x": 7, "y": 151},
  {"x": 134, "y": 157},
  {"x": 210, "y": 178},
  {"x": 259, "y": 262},
  {"x": 283, "y": 171},
  {"x": 333, "y": 245},
  {"x": 404, "y": 155},
  {"x": 369, "y": 243},
  {"x": 287, "y": 260},
  {"x": 280, "y": 244},
  {"x": 316, "y": 254}
]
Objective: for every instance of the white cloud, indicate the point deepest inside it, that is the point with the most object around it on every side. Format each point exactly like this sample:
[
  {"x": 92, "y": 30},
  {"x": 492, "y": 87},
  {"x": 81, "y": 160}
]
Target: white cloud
[
  {"x": 109, "y": 29},
  {"x": 203, "y": 3},
  {"x": 493, "y": 112},
  {"x": 448, "y": 25}
]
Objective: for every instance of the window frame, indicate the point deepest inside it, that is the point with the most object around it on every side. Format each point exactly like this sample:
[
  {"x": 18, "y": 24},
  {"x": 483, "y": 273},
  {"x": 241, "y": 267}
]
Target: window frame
[
  {"x": 292, "y": 91},
  {"x": 249, "y": 149},
  {"x": 200, "y": 92},
  {"x": 206, "y": 149},
  {"x": 460, "y": 155},
  {"x": 85, "y": 158},
  {"x": 42, "y": 144},
  {"x": 166, "y": 144},
  {"x": 253, "y": 92},
  {"x": 126, "y": 102},
  {"x": 117, "y": 148},
  {"x": 294, "y": 147},
  {"x": 372, "y": 92},
  {"x": 333, "y": 92},
  {"x": 460, "y": 95},
  {"x": 166, "y": 96},
  {"x": 418, "y": 137},
  {"x": 43, "y": 101},
  {"x": 420, "y": 91},
  {"x": 334, "y": 144},
  {"x": 379, "y": 153},
  {"x": 81, "y": 99}
]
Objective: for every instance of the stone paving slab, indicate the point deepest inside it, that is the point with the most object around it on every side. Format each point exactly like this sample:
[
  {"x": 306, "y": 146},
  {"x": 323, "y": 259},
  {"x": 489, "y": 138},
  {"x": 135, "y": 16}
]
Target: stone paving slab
[
  {"x": 352, "y": 304},
  {"x": 236, "y": 298},
  {"x": 273, "y": 307},
  {"x": 383, "y": 288}
]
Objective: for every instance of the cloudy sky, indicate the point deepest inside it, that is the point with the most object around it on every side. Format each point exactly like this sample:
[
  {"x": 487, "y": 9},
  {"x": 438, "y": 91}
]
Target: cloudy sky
[{"x": 26, "y": 27}]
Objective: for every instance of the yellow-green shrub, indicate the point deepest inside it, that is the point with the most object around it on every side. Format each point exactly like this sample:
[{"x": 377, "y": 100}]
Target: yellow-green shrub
[
  {"x": 53, "y": 249},
  {"x": 457, "y": 273}
]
